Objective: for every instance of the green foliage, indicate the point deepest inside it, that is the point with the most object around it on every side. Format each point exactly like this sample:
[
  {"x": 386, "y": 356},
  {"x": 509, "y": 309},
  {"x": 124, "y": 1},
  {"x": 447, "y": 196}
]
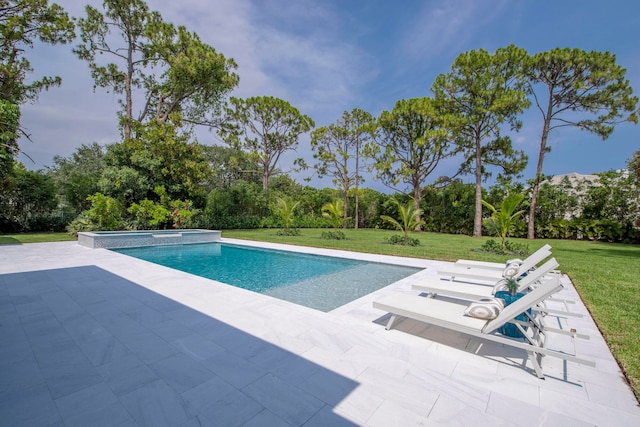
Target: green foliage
[
  {"x": 340, "y": 145},
  {"x": 288, "y": 232},
  {"x": 414, "y": 137},
  {"x": 483, "y": 92},
  {"x": 512, "y": 285},
  {"x": 153, "y": 215},
  {"x": 228, "y": 166},
  {"x": 502, "y": 222},
  {"x": 405, "y": 240},
  {"x": 9, "y": 125},
  {"x": 26, "y": 195},
  {"x": 409, "y": 218},
  {"x": 81, "y": 224},
  {"x": 128, "y": 20},
  {"x": 195, "y": 78},
  {"x": 105, "y": 212},
  {"x": 265, "y": 127},
  {"x": 243, "y": 197},
  {"x": 333, "y": 235},
  {"x": 571, "y": 87},
  {"x": 506, "y": 248},
  {"x": 370, "y": 206},
  {"x": 159, "y": 155},
  {"x": 334, "y": 213},
  {"x": 449, "y": 209},
  {"x": 21, "y": 24},
  {"x": 77, "y": 176},
  {"x": 148, "y": 215},
  {"x": 556, "y": 201},
  {"x": 615, "y": 197},
  {"x": 124, "y": 183},
  {"x": 634, "y": 165},
  {"x": 229, "y": 222},
  {"x": 284, "y": 210}
]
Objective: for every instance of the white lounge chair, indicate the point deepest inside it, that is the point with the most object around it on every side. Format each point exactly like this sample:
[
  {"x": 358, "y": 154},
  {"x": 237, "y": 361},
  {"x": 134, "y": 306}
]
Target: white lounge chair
[
  {"x": 476, "y": 273},
  {"x": 473, "y": 291},
  {"x": 450, "y": 315},
  {"x": 497, "y": 265}
]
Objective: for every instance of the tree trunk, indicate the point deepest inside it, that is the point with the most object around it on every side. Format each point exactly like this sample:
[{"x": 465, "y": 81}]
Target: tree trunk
[
  {"x": 127, "y": 87},
  {"x": 357, "y": 184},
  {"x": 417, "y": 198},
  {"x": 265, "y": 178},
  {"x": 531, "y": 230},
  {"x": 345, "y": 201},
  {"x": 477, "y": 220}
]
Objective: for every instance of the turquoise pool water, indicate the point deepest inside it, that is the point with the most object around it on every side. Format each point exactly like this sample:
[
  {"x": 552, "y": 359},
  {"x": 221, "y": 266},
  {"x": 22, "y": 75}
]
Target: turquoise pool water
[{"x": 319, "y": 282}]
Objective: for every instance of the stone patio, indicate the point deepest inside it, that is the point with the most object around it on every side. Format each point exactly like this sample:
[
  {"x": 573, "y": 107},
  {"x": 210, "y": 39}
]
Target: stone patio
[{"x": 91, "y": 337}]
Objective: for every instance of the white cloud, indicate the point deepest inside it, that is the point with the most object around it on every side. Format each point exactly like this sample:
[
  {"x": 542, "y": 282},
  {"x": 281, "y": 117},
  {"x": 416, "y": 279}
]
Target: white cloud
[{"x": 447, "y": 26}]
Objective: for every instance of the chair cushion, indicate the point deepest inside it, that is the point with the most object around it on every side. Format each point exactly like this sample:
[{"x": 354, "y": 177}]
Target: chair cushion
[
  {"x": 501, "y": 285},
  {"x": 511, "y": 270},
  {"x": 485, "y": 308}
]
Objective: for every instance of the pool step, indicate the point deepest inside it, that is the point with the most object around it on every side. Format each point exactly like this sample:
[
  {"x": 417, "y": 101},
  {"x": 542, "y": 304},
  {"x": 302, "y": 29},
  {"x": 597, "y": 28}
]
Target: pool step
[{"x": 328, "y": 291}]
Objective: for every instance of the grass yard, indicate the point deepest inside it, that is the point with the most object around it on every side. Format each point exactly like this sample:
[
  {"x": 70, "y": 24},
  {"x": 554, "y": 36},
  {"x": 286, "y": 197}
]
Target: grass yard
[
  {"x": 605, "y": 274},
  {"x": 17, "y": 239}
]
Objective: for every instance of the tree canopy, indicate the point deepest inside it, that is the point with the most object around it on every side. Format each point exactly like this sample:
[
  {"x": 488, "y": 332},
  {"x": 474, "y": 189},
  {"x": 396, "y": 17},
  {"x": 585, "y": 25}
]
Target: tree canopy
[
  {"x": 21, "y": 24},
  {"x": 336, "y": 146},
  {"x": 574, "y": 88},
  {"x": 483, "y": 91},
  {"x": 265, "y": 127},
  {"x": 178, "y": 72},
  {"x": 412, "y": 139}
]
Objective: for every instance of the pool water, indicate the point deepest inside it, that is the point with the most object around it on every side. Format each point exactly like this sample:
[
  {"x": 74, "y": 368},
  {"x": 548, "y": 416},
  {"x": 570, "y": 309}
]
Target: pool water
[{"x": 320, "y": 282}]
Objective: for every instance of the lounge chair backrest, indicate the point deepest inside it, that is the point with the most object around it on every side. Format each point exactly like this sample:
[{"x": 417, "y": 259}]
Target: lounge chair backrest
[
  {"x": 537, "y": 274},
  {"x": 529, "y": 300},
  {"x": 533, "y": 259}
]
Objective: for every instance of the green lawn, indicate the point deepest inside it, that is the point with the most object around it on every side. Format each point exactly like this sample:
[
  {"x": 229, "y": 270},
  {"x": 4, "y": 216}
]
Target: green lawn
[
  {"x": 17, "y": 239},
  {"x": 605, "y": 274}
]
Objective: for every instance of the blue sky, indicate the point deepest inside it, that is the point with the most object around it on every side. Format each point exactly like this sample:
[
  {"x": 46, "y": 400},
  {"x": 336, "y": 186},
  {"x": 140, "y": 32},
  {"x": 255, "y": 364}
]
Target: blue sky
[{"x": 325, "y": 57}]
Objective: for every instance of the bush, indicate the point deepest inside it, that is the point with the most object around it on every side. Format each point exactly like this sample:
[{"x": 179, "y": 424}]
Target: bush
[
  {"x": 54, "y": 223},
  {"x": 333, "y": 235},
  {"x": 231, "y": 222},
  {"x": 509, "y": 248},
  {"x": 81, "y": 223},
  {"x": 288, "y": 232},
  {"x": 397, "y": 239}
]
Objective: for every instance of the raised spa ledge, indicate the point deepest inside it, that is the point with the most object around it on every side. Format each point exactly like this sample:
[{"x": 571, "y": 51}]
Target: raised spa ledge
[{"x": 130, "y": 239}]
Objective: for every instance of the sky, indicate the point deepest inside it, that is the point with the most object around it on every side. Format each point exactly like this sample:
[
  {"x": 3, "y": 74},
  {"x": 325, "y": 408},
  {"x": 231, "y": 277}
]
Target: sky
[{"x": 329, "y": 56}]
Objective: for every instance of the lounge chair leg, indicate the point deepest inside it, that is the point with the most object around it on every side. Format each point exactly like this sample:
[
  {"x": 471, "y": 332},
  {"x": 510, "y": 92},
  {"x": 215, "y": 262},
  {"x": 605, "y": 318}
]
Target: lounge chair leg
[
  {"x": 533, "y": 357},
  {"x": 390, "y": 322}
]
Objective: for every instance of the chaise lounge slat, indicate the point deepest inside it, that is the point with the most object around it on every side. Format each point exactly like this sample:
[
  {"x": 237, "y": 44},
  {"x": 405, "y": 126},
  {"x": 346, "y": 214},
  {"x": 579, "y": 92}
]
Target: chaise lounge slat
[
  {"x": 473, "y": 291},
  {"x": 463, "y": 273}
]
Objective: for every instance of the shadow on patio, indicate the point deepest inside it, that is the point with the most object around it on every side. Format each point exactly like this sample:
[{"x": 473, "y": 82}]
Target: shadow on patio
[{"x": 83, "y": 346}]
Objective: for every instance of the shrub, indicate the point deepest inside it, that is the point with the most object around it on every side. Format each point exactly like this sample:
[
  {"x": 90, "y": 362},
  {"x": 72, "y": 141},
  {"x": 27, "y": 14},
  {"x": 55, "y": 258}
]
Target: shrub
[
  {"x": 509, "y": 248},
  {"x": 397, "y": 239},
  {"x": 288, "y": 232},
  {"x": 333, "y": 235}
]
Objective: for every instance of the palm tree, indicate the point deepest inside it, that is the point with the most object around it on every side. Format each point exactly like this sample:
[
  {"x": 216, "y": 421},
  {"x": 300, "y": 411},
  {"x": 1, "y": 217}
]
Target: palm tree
[
  {"x": 334, "y": 212},
  {"x": 502, "y": 222},
  {"x": 409, "y": 218},
  {"x": 285, "y": 210}
]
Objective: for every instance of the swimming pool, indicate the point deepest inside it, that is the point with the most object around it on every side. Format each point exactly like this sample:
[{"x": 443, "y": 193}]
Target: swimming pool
[{"x": 320, "y": 282}]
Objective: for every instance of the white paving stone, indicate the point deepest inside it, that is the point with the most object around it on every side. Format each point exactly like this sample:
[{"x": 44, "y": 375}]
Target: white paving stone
[{"x": 97, "y": 323}]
